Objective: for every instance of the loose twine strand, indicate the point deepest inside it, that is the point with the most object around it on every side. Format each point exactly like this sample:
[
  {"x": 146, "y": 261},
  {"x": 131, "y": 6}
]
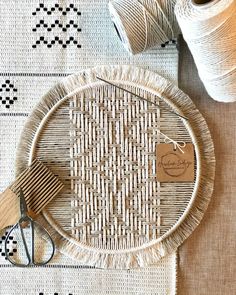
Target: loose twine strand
[
  {"x": 143, "y": 24},
  {"x": 209, "y": 31}
]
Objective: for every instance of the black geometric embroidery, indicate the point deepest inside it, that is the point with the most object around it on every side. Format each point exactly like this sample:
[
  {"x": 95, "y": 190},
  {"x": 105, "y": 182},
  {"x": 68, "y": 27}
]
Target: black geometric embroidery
[
  {"x": 56, "y": 24},
  {"x": 8, "y": 94},
  {"x": 60, "y": 22},
  {"x": 11, "y": 248},
  {"x": 63, "y": 11},
  {"x": 56, "y": 40},
  {"x": 168, "y": 42}
]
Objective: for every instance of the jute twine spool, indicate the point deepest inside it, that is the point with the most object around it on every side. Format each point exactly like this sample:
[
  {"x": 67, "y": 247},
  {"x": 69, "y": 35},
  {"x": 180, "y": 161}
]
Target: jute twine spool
[
  {"x": 142, "y": 24},
  {"x": 209, "y": 29}
]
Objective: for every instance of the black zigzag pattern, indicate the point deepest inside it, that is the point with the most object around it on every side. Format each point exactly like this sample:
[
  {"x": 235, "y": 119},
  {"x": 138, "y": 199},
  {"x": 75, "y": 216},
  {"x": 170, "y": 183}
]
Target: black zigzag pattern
[
  {"x": 49, "y": 43},
  {"x": 63, "y": 11},
  {"x": 57, "y": 23}
]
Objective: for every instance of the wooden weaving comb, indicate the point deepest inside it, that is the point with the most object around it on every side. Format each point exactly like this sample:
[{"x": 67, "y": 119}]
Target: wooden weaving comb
[{"x": 39, "y": 185}]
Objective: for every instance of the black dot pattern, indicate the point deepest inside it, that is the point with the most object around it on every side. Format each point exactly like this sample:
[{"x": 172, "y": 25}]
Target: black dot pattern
[
  {"x": 41, "y": 293},
  {"x": 61, "y": 22},
  {"x": 62, "y": 10},
  {"x": 56, "y": 40},
  {"x": 11, "y": 246},
  {"x": 57, "y": 23},
  {"x": 163, "y": 45},
  {"x": 8, "y": 94}
]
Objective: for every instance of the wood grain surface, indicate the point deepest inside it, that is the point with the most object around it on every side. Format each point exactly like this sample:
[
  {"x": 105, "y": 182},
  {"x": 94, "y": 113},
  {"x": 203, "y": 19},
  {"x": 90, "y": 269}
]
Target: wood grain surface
[
  {"x": 207, "y": 259},
  {"x": 9, "y": 208}
]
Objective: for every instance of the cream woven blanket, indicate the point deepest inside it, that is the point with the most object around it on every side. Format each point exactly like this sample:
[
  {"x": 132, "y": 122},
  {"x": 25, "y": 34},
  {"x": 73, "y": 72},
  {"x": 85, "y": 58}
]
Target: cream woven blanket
[{"x": 42, "y": 41}]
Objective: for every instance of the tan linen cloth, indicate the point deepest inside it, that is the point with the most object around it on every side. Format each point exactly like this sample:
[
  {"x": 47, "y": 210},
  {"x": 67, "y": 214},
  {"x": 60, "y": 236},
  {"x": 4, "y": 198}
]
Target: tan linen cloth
[{"x": 207, "y": 260}]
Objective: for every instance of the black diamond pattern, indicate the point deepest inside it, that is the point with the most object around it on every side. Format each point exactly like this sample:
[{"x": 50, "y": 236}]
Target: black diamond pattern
[
  {"x": 11, "y": 250},
  {"x": 8, "y": 94}
]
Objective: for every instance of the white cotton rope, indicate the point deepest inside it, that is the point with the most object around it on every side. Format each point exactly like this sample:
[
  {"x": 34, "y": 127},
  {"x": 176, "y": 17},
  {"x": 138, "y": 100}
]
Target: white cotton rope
[
  {"x": 209, "y": 28},
  {"x": 143, "y": 24}
]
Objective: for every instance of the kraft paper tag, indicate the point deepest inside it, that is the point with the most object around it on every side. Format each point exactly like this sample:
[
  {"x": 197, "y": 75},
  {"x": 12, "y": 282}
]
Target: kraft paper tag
[{"x": 173, "y": 165}]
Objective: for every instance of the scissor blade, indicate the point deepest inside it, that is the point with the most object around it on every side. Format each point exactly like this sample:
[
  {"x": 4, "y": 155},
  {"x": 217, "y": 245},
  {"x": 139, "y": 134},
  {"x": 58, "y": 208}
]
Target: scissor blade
[{"x": 23, "y": 206}]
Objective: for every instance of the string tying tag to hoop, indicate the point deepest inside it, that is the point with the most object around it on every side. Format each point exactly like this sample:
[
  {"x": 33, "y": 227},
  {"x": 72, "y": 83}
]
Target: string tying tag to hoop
[{"x": 177, "y": 144}]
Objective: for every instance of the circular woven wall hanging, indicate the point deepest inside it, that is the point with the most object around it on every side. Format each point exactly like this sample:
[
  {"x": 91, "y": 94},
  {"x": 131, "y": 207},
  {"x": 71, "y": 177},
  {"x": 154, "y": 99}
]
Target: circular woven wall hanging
[{"x": 101, "y": 141}]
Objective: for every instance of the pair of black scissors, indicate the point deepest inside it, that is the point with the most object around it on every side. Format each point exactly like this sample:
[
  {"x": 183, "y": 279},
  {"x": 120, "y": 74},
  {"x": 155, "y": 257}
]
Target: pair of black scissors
[{"x": 24, "y": 222}]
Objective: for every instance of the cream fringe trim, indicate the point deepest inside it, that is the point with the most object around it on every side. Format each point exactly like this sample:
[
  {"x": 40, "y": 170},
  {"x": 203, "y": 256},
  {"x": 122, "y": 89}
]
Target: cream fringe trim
[{"x": 198, "y": 129}]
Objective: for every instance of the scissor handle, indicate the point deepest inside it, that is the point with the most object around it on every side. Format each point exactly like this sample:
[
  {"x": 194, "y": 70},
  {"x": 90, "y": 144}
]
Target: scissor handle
[
  {"x": 25, "y": 246},
  {"x": 30, "y": 253},
  {"x": 46, "y": 233}
]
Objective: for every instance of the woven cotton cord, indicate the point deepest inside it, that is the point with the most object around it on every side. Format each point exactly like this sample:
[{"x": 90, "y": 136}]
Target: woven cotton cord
[
  {"x": 142, "y": 24},
  {"x": 210, "y": 32}
]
